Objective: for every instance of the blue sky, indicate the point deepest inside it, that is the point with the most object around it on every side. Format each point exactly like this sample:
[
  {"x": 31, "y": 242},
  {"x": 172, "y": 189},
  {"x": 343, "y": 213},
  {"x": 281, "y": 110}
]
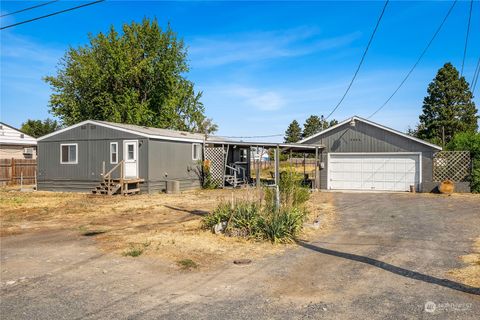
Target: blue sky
[{"x": 259, "y": 64}]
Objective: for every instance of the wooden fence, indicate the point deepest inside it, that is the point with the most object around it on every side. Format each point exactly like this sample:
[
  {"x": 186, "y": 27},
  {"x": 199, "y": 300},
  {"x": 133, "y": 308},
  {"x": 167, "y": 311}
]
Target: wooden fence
[{"x": 13, "y": 170}]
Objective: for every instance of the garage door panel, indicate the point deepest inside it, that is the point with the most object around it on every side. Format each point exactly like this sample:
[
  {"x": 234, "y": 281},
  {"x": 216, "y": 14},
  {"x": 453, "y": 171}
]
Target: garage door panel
[{"x": 391, "y": 172}]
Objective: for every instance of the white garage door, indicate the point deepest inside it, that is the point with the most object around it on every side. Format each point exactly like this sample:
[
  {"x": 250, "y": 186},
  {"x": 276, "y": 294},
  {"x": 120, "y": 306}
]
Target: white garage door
[{"x": 373, "y": 171}]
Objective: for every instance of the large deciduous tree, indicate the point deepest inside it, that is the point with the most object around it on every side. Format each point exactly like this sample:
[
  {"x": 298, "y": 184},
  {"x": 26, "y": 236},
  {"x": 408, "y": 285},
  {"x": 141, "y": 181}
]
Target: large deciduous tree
[
  {"x": 293, "y": 133},
  {"x": 38, "y": 128},
  {"x": 136, "y": 76},
  {"x": 448, "y": 108}
]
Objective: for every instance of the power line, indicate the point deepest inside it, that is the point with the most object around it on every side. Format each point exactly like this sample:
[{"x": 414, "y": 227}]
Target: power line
[
  {"x": 52, "y": 14},
  {"x": 475, "y": 76},
  {"x": 466, "y": 37},
  {"x": 361, "y": 61},
  {"x": 417, "y": 62},
  {"x": 29, "y": 8}
]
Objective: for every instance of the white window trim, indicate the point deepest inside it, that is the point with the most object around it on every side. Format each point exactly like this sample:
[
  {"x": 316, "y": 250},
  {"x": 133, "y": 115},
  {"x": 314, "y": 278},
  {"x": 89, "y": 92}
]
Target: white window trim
[
  {"x": 76, "y": 153},
  {"x": 111, "y": 153},
  {"x": 199, "y": 151}
]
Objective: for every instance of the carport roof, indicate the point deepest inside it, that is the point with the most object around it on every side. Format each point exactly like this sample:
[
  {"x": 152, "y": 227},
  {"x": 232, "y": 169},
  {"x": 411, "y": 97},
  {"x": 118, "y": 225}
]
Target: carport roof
[{"x": 285, "y": 146}]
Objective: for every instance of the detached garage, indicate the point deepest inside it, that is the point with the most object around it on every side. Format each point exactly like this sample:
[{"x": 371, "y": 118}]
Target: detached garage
[{"x": 363, "y": 155}]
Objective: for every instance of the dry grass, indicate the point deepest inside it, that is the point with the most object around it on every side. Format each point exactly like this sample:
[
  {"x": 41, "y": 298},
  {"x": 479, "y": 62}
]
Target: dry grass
[
  {"x": 163, "y": 225},
  {"x": 470, "y": 274}
]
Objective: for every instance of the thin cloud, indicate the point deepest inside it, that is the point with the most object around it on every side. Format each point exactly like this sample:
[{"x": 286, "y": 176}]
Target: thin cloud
[
  {"x": 258, "y": 46},
  {"x": 257, "y": 98}
]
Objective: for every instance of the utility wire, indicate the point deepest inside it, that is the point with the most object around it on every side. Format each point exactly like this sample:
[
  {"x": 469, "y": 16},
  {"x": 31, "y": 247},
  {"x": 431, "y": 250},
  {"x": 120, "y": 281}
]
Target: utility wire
[
  {"x": 475, "y": 77},
  {"x": 51, "y": 14},
  {"x": 466, "y": 37},
  {"x": 361, "y": 61},
  {"x": 417, "y": 62},
  {"x": 29, "y": 8}
]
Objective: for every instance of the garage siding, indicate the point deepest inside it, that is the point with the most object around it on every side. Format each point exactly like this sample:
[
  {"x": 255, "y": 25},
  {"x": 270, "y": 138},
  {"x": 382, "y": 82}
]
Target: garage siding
[{"x": 364, "y": 137}]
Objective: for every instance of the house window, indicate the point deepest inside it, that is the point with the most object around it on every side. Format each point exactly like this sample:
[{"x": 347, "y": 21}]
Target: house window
[
  {"x": 196, "y": 151},
  {"x": 113, "y": 152},
  {"x": 68, "y": 153}
]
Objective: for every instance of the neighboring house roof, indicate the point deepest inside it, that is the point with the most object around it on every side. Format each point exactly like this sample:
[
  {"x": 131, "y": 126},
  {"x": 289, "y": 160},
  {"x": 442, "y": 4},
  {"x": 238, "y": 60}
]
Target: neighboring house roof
[
  {"x": 13, "y": 136},
  {"x": 356, "y": 118},
  {"x": 148, "y": 132}
]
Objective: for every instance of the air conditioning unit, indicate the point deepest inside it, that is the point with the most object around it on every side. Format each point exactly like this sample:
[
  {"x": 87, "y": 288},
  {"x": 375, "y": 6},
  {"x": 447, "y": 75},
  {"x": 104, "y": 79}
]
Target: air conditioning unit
[{"x": 27, "y": 150}]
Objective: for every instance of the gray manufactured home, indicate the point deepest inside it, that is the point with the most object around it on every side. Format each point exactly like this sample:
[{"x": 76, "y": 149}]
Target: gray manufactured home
[
  {"x": 76, "y": 158},
  {"x": 363, "y": 155}
]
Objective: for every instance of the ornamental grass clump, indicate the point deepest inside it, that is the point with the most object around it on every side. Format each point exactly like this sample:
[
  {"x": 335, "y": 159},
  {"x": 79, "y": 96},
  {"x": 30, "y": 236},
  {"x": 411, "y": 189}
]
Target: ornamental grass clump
[{"x": 261, "y": 218}]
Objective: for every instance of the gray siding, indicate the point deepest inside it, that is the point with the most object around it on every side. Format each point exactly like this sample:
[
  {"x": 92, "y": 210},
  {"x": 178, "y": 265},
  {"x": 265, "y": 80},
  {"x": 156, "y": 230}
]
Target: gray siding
[
  {"x": 172, "y": 160},
  {"x": 367, "y": 138},
  {"x": 93, "y": 148},
  {"x": 158, "y": 160}
]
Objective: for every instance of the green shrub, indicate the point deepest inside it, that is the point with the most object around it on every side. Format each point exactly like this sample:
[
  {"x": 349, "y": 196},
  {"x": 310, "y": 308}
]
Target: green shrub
[
  {"x": 292, "y": 193},
  {"x": 249, "y": 219},
  {"x": 221, "y": 213},
  {"x": 206, "y": 176},
  {"x": 283, "y": 225}
]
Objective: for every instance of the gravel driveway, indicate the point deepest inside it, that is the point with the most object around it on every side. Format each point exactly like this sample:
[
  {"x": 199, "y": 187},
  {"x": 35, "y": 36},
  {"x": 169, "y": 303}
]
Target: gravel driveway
[{"x": 387, "y": 257}]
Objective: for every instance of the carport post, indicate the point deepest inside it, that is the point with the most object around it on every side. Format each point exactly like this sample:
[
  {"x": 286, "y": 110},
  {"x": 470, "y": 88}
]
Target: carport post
[
  {"x": 317, "y": 183},
  {"x": 257, "y": 172},
  {"x": 277, "y": 165}
]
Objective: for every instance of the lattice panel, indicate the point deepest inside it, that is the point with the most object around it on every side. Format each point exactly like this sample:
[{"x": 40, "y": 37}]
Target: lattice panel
[
  {"x": 451, "y": 165},
  {"x": 216, "y": 157}
]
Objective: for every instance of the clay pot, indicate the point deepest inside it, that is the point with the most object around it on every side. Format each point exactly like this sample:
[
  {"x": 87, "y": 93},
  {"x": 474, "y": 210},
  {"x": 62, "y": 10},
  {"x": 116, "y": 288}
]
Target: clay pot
[{"x": 446, "y": 187}]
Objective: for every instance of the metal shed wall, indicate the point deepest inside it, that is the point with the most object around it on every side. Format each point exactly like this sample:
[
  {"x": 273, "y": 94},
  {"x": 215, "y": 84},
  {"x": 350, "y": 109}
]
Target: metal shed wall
[
  {"x": 93, "y": 148},
  {"x": 172, "y": 160},
  {"x": 364, "y": 137}
]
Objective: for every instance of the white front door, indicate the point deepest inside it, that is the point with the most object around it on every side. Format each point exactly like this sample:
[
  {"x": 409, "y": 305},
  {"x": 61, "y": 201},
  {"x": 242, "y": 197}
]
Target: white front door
[
  {"x": 130, "y": 156},
  {"x": 374, "y": 171}
]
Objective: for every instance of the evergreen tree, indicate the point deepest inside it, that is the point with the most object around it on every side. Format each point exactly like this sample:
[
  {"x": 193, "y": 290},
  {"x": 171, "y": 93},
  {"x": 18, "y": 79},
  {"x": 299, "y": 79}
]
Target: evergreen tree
[
  {"x": 448, "y": 108},
  {"x": 293, "y": 133},
  {"x": 312, "y": 125},
  {"x": 315, "y": 124}
]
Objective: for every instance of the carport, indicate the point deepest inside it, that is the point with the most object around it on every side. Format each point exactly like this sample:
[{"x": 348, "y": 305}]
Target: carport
[{"x": 229, "y": 160}]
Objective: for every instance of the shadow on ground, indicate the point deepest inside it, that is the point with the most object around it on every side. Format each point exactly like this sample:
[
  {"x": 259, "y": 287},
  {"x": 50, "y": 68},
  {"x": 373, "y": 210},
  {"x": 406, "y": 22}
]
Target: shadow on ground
[{"x": 394, "y": 269}]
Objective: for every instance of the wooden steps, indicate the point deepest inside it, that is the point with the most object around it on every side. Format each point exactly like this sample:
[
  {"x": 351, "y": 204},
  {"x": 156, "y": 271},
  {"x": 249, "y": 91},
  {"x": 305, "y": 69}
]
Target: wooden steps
[
  {"x": 130, "y": 186},
  {"x": 111, "y": 186}
]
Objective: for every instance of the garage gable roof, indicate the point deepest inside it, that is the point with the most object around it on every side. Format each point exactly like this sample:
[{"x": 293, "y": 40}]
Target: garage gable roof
[{"x": 357, "y": 118}]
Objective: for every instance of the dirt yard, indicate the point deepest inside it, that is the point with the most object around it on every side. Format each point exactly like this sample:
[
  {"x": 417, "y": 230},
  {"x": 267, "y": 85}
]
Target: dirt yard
[{"x": 160, "y": 225}]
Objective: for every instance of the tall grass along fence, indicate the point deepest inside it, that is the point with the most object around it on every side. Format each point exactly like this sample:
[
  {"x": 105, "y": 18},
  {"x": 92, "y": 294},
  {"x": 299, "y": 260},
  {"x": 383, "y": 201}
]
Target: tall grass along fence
[{"x": 13, "y": 171}]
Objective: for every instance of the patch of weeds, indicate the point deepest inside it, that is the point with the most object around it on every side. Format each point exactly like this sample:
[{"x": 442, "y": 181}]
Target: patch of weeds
[
  {"x": 133, "y": 251},
  {"x": 13, "y": 200},
  {"x": 187, "y": 264}
]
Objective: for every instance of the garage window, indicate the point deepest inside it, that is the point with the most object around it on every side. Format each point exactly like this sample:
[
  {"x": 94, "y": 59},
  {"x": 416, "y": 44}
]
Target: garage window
[{"x": 69, "y": 153}]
